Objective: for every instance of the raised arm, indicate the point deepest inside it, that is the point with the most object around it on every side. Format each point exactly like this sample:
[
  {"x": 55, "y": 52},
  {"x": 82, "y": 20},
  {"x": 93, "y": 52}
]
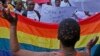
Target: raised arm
[
  {"x": 90, "y": 44},
  {"x": 13, "y": 27},
  {"x": 16, "y": 51}
]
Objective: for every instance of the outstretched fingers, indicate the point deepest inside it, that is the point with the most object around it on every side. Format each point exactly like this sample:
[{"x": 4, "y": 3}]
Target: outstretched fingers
[
  {"x": 95, "y": 40},
  {"x": 11, "y": 17},
  {"x": 92, "y": 42}
]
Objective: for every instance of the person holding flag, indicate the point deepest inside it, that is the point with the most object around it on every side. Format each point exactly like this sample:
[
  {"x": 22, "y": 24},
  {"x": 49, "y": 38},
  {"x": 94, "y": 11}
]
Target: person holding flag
[{"x": 68, "y": 34}]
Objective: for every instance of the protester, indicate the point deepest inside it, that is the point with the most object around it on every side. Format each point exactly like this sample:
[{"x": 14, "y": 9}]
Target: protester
[
  {"x": 53, "y": 2},
  {"x": 19, "y": 8},
  {"x": 30, "y": 12},
  {"x": 68, "y": 34},
  {"x": 65, "y": 3},
  {"x": 49, "y": 3},
  {"x": 57, "y": 3}
]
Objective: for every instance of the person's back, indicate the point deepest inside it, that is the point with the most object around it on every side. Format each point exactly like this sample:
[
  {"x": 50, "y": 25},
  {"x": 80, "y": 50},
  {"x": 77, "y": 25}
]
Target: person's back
[{"x": 57, "y": 3}]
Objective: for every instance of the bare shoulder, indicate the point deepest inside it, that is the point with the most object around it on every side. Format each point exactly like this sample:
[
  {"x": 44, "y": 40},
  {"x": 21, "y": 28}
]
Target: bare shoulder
[
  {"x": 83, "y": 53},
  {"x": 32, "y": 53}
]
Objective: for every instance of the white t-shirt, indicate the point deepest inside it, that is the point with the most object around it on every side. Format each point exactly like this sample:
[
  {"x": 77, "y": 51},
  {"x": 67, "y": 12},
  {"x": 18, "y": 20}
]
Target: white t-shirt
[
  {"x": 16, "y": 11},
  {"x": 38, "y": 7},
  {"x": 32, "y": 15}
]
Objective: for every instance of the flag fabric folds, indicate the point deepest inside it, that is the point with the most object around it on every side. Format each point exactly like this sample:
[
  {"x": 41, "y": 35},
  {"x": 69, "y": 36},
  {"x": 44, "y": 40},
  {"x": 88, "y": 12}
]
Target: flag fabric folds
[{"x": 38, "y": 36}]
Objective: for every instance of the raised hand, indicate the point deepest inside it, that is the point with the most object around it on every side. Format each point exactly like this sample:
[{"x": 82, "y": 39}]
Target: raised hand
[
  {"x": 7, "y": 15},
  {"x": 13, "y": 29},
  {"x": 92, "y": 42},
  {"x": 87, "y": 13}
]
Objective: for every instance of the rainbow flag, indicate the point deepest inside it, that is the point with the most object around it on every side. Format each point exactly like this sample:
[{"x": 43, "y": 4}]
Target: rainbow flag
[{"x": 37, "y": 36}]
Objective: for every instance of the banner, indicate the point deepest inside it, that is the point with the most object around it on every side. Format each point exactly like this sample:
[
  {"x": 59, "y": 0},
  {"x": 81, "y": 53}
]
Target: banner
[
  {"x": 89, "y": 5},
  {"x": 41, "y": 1},
  {"x": 92, "y": 6},
  {"x": 38, "y": 36},
  {"x": 51, "y": 14},
  {"x": 80, "y": 0}
]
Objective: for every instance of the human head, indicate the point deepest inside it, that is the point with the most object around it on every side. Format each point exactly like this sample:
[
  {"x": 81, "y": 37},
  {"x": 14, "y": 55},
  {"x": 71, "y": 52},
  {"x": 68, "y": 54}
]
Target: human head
[
  {"x": 57, "y": 3},
  {"x": 30, "y": 5},
  {"x": 68, "y": 32},
  {"x": 19, "y": 5},
  {"x": 8, "y": 1},
  {"x": 3, "y": 1},
  {"x": 40, "y": 4}
]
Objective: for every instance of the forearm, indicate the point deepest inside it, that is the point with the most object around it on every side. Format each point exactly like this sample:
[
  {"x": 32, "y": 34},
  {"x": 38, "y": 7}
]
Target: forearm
[{"x": 13, "y": 38}]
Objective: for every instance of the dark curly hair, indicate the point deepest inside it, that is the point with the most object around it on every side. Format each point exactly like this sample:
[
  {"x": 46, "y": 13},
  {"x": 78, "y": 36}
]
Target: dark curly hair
[
  {"x": 3, "y": 1},
  {"x": 68, "y": 32}
]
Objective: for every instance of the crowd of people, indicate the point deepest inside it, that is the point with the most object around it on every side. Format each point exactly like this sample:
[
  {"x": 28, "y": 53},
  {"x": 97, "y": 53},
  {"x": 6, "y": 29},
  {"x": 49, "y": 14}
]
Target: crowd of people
[
  {"x": 19, "y": 8},
  {"x": 32, "y": 10}
]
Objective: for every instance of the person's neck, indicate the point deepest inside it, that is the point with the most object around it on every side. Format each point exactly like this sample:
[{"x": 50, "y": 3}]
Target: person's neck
[{"x": 67, "y": 49}]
